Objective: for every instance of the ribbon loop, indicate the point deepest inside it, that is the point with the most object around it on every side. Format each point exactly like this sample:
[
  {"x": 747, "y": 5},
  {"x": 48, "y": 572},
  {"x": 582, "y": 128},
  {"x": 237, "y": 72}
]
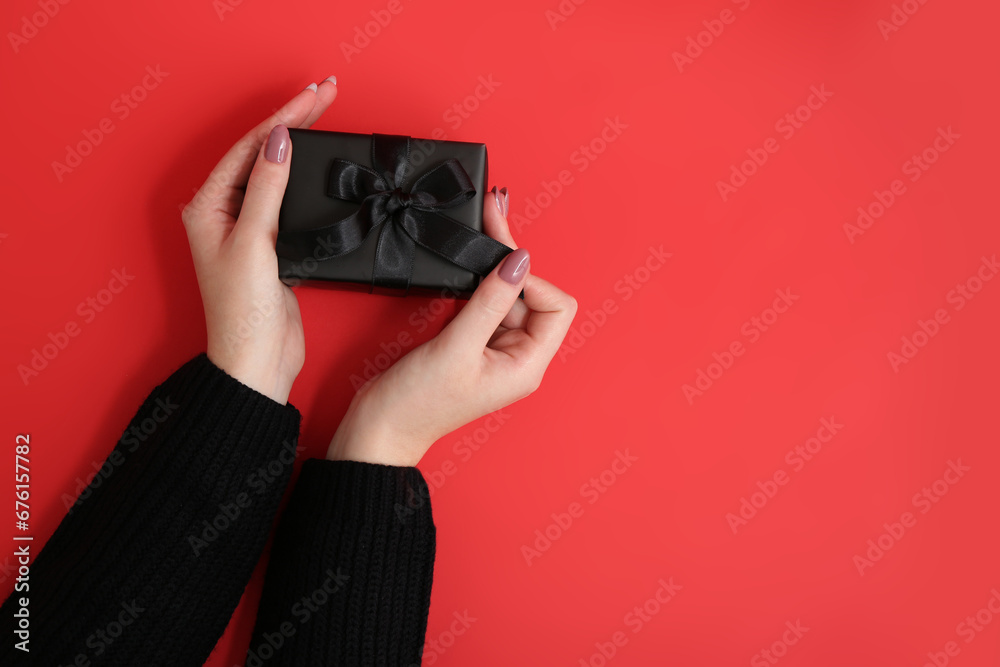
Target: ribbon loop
[{"x": 405, "y": 218}]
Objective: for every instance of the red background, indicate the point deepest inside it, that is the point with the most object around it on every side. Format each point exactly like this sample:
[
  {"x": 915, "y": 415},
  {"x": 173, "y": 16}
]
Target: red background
[{"x": 621, "y": 389}]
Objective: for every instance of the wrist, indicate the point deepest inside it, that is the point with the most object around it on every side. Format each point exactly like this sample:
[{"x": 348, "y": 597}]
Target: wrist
[
  {"x": 367, "y": 438},
  {"x": 270, "y": 382}
]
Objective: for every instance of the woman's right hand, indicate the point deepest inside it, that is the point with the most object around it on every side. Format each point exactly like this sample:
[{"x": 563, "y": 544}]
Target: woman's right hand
[{"x": 493, "y": 353}]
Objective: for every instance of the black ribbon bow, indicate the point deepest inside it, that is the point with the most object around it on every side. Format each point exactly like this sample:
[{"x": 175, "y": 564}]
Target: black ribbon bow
[{"x": 407, "y": 219}]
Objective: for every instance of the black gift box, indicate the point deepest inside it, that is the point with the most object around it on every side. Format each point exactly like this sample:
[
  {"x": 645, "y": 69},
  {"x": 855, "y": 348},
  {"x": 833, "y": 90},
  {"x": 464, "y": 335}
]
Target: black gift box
[{"x": 386, "y": 214}]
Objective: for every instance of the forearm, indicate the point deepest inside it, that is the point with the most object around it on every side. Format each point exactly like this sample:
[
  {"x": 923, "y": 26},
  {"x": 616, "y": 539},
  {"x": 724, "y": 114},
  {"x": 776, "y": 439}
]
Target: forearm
[
  {"x": 148, "y": 565},
  {"x": 350, "y": 572}
]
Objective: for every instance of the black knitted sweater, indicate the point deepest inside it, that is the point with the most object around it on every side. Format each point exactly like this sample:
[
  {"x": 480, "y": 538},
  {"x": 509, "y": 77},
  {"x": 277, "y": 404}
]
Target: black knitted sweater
[{"x": 149, "y": 564}]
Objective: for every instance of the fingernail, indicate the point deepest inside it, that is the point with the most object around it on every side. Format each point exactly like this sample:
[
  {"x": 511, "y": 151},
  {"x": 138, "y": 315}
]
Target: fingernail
[
  {"x": 313, "y": 87},
  {"x": 506, "y": 201},
  {"x": 277, "y": 144},
  {"x": 496, "y": 198},
  {"x": 332, "y": 79},
  {"x": 515, "y": 265}
]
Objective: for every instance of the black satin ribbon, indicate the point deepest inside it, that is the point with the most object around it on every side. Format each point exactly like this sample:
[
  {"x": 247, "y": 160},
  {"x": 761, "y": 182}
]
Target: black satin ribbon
[{"x": 413, "y": 218}]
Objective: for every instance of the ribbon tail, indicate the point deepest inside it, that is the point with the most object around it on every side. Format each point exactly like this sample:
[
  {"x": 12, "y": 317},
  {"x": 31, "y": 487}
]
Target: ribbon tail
[
  {"x": 393, "y": 260},
  {"x": 459, "y": 244}
]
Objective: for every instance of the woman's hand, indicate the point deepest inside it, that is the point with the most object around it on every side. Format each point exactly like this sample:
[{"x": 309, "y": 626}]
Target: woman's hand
[
  {"x": 494, "y": 352},
  {"x": 253, "y": 322}
]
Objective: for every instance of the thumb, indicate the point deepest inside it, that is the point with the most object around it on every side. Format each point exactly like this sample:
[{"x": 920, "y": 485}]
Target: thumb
[
  {"x": 266, "y": 186},
  {"x": 492, "y": 300}
]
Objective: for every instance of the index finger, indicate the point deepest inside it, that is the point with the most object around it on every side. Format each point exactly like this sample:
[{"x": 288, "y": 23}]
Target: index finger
[
  {"x": 551, "y": 311},
  {"x": 233, "y": 170}
]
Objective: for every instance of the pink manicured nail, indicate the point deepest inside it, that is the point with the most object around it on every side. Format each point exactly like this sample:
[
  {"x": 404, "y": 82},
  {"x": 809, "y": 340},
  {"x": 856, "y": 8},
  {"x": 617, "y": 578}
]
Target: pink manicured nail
[
  {"x": 506, "y": 201},
  {"x": 515, "y": 265},
  {"x": 277, "y": 145},
  {"x": 496, "y": 198}
]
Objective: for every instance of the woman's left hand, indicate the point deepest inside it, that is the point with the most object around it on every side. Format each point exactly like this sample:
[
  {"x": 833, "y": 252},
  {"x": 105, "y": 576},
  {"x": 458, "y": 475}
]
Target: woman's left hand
[{"x": 253, "y": 321}]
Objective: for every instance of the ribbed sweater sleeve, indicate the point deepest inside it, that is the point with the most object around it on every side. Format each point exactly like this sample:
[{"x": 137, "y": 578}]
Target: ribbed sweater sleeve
[
  {"x": 349, "y": 577},
  {"x": 148, "y": 565}
]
